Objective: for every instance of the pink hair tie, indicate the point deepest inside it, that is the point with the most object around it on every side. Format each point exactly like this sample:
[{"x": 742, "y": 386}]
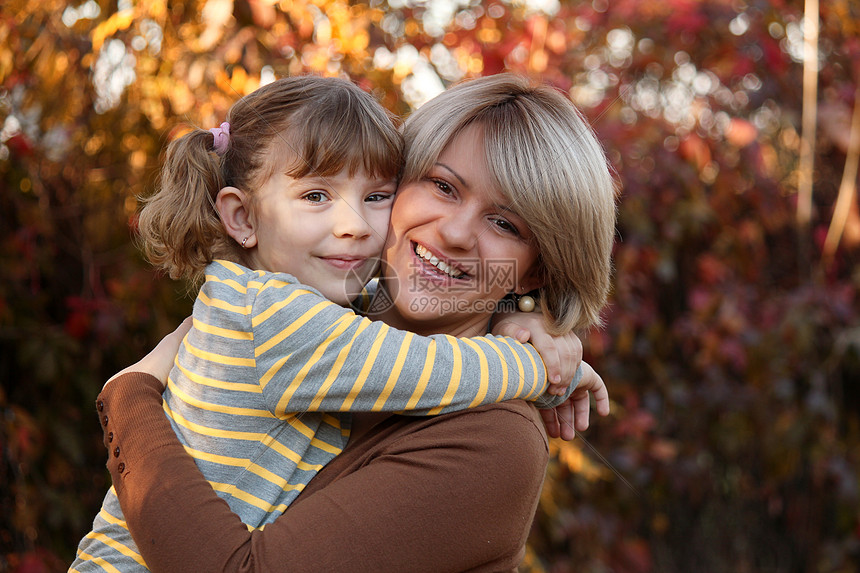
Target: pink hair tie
[{"x": 222, "y": 138}]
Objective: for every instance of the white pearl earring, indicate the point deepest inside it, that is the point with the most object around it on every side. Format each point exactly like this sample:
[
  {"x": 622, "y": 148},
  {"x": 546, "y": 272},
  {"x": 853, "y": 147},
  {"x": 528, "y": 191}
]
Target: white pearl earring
[{"x": 526, "y": 303}]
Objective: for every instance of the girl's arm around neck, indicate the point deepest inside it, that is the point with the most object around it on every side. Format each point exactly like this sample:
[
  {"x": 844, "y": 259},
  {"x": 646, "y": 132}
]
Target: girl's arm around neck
[{"x": 313, "y": 355}]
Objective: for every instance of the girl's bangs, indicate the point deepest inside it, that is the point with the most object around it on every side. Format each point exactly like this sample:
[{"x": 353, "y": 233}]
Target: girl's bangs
[{"x": 325, "y": 144}]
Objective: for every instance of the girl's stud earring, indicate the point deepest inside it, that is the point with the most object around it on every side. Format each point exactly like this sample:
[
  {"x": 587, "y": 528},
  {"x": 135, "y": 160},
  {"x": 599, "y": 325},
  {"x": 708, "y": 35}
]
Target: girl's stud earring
[{"x": 244, "y": 241}]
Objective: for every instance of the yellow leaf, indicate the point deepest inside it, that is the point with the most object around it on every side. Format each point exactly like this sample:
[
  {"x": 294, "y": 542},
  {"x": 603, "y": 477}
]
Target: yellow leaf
[
  {"x": 251, "y": 84},
  {"x": 157, "y": 9},
  {"x": 119, "y": 21},
  {"x": 569, "y": 455},
  {"x": 181, "y": 99},
  {"x": 358, "y": 43}
]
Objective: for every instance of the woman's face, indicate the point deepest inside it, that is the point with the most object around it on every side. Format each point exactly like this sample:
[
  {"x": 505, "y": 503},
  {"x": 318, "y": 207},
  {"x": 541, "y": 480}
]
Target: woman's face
[{"x": 454, "y": 247}]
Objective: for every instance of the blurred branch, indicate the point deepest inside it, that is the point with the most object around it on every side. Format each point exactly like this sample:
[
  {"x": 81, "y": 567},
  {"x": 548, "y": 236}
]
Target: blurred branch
[
  {"x": 847, "y": 187},
  {"x": 809, "y": 119}
]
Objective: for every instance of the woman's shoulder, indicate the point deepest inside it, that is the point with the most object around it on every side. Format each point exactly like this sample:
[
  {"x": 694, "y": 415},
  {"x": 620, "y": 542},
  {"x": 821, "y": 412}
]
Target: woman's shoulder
[
  {"x": 520, "y": 413},
  {"x": 502, "y": 446},
  {"x": 511, "y": 431},
  {"x": 516, "y": 421}
]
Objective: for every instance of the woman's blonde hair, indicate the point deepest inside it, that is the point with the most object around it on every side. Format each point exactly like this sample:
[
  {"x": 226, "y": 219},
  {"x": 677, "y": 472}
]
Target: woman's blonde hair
[
  {"x": 547, "y": 162},
  {"x": 300, "y": 125}
]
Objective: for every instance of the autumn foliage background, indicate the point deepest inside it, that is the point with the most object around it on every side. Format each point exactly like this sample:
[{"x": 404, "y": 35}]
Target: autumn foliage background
[{"x": 732, "y": 345}]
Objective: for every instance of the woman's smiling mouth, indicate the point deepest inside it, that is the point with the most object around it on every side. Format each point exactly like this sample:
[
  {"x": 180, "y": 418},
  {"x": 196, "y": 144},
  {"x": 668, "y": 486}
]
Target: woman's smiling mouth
[{"x": 424, "y": 254}]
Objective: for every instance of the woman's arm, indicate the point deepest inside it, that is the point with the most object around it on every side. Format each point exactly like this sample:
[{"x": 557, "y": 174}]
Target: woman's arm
[
  {"x": 454, "y": 492},
  {"x": 160, "y": 359}
]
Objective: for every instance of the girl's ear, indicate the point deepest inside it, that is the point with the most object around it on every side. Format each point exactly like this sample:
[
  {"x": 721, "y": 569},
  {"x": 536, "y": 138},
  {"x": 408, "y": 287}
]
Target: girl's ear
[{"x": 231, "y": 205}]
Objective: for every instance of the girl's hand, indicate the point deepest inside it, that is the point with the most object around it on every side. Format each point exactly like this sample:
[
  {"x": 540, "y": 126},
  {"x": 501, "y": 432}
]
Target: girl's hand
[
  {"x": 565, "y": 420},
  {"x": 561, "y": 354},
  {"x": 159, "y": 361}
]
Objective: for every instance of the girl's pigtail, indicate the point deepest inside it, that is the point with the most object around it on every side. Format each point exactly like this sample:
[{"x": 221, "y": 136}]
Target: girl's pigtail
[{"x": 179, "y": 227}]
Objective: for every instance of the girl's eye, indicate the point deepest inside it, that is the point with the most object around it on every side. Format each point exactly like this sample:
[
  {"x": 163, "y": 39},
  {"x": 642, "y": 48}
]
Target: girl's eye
[
  {"x": 314, "y": 197},
  {"x": 378, "y": 197}
]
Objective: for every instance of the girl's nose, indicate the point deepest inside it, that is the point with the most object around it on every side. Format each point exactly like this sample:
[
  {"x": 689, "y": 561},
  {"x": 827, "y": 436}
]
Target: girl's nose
[{"x": 350, "y": 221}]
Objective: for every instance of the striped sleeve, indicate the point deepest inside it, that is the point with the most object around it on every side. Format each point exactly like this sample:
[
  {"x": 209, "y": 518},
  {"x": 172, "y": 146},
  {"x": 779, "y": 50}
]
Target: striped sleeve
[{"x": 313, "y": 355}]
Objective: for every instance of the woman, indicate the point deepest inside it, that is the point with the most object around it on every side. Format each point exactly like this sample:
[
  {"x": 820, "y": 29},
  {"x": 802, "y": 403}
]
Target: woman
[{"x": 506, "y": 185}]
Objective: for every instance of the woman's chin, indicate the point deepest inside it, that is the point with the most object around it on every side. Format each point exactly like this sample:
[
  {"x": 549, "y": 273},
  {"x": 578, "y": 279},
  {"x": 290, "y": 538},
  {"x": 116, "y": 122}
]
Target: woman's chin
[
  {"x": 420, "y": 309},
  {"x": 433, "y": 315}
]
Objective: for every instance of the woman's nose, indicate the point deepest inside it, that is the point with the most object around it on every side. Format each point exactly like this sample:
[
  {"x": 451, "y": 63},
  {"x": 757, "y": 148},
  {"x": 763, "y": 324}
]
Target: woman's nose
[{"x": 459, "y": 229}]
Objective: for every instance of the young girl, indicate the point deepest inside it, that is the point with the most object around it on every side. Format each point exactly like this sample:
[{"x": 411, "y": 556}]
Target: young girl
[{"x": 300, "y": 179}]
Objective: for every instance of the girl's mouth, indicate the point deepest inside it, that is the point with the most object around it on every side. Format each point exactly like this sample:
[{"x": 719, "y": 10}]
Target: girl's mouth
[
  {"x": 345, "y": 263},
  {"x": 425, "y": 255}
]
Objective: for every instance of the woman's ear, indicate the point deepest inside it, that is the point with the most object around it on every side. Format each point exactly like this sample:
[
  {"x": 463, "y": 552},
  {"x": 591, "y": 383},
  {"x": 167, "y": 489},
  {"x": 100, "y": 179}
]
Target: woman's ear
[
  {"x": 532, "y": 280},
  {"x": 232, "y": 207}
]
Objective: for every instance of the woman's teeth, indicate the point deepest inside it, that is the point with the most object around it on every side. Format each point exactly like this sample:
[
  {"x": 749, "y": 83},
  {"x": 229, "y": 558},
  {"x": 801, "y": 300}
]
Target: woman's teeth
[{"x": 441, "y": 265}]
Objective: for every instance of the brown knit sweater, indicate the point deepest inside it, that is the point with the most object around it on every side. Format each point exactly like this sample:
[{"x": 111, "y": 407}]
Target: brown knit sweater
[{"x": 455, "y": 492}]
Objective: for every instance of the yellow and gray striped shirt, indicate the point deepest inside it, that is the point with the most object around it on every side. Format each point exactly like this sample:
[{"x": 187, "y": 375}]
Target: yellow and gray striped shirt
[{"x": 264, "y": 379}]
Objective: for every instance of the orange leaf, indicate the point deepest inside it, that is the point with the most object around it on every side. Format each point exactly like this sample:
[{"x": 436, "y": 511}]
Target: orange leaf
[
  {"x": 741, "y": 132},
  {"x": 693, "y": 148}
]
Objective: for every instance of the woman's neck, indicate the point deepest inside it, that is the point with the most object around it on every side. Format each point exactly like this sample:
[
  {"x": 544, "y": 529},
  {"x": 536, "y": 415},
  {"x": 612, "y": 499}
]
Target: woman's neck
[{"x": 472, "y": 325}]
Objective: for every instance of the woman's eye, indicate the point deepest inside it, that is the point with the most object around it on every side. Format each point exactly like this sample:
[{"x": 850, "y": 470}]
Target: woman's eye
[
  {"x": 443, "y": 186},
  {"x": 506, "y": 226}
]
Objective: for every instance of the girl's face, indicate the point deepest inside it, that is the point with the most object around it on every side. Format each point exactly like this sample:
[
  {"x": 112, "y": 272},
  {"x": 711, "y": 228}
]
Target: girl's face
[
  {"x": 328, "y": 232},
  {"x": 455, "y": 248}
]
